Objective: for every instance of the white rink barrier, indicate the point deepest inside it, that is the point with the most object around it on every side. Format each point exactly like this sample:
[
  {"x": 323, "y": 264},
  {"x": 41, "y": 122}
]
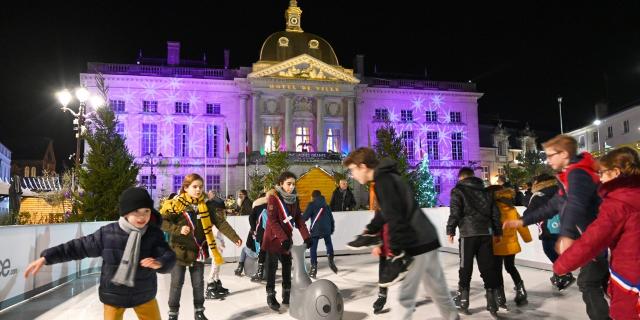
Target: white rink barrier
[{"x": 20, "y": 245}]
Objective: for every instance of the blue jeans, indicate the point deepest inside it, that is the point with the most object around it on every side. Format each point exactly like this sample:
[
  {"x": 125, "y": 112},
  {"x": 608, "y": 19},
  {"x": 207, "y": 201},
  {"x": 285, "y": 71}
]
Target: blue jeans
[
  {"x": 246, "y": 252},
  {"x": 314, "y": 248}
]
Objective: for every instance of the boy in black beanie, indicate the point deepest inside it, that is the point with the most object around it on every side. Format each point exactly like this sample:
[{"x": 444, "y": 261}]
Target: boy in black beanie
[{"x": 132, "y": 250}]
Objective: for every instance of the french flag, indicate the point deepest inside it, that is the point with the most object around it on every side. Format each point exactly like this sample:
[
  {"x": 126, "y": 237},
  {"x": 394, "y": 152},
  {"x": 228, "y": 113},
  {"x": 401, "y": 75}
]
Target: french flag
[{"x": 228, "y": 147}]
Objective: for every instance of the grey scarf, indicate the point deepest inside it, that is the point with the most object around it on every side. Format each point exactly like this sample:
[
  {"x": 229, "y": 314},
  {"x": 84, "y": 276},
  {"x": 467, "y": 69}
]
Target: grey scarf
[
  {"x": 126, "y": 273},
  {"x": 289, "y": 198}
]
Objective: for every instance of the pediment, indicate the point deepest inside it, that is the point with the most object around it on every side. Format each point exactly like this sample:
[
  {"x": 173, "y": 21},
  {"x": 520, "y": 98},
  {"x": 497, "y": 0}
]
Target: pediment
[{"x": 305, "y": 67}]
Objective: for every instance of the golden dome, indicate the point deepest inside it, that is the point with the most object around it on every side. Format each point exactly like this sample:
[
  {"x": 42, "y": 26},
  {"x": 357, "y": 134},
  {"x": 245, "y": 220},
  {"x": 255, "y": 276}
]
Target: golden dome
[{"x": 292, "y": 42}]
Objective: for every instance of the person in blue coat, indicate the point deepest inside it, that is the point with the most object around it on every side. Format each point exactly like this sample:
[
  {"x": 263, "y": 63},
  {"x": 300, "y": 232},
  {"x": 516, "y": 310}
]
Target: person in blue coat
[{"x": 322, "y": 227}]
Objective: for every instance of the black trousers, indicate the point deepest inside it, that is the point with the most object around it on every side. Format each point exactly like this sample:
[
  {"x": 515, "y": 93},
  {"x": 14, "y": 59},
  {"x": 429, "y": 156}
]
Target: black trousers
[
  {"x": 262, "y": 256},
  {"x": 480, "y": 248},
  {"x": 592, "y": 282},
  {"x": 510, "y": 266},
  {"x": 272, "y": 265}
]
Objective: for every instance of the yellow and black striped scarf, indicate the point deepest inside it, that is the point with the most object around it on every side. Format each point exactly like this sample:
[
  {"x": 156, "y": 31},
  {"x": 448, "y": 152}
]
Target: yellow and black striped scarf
[{"x": 180, "y": 203}]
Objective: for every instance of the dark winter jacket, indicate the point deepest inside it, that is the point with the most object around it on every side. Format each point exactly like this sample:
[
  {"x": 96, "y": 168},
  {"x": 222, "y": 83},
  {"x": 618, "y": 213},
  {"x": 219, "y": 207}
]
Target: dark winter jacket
[
  {"x": 260, "y": 210},
  {"x": 277, "y": 230},
  {"x": 617, "y": 227},
  {"x": 409, "y": 229},
  {"x": 258, "y": 205},
  {"x": 245, "y": 208},
  {"x": 109, "y": 243},
  {"x": 542, "y": 192},
  {"x": 325, "y": 225},
  {"x": 577, "y": 200},
  {"x": 473, "y": 210},
  {"x": 338, "y": 203}
]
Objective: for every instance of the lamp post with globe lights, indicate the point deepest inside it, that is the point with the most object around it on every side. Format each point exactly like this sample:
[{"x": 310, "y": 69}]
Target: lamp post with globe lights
[
  {"x": 83, "y": 96},
  {"x": 152, "y": 160}
]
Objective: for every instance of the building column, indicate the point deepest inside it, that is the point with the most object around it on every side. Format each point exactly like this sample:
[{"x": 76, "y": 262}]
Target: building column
[
  {"x": 320, "y": 140},
  {"x": 288, "y": 134},
  {"x": 242, "y": 135},
  {"x": 255, "y": 122},
  {"x": 351, "y": 126}
]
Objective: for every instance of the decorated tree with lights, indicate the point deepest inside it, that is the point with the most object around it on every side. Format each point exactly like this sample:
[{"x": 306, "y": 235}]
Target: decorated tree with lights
[
  {"x": 389, "y": 144},
  {"x": 109, "y": 167},
  {"x": 424, "y": 187}
]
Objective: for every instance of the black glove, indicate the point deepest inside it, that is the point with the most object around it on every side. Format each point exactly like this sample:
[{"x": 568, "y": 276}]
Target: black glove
[
  {"x": 286, "y": 245},
  {"x": 308, "y": 242}
]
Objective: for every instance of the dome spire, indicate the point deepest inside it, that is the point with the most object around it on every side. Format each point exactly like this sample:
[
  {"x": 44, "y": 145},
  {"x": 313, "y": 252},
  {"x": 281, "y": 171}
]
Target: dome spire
[{"x": 293, "y": 16}]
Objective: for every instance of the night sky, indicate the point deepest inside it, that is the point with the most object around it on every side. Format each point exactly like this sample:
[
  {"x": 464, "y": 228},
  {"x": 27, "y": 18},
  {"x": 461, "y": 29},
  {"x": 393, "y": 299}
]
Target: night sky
[{"x": 522, "y": 57}]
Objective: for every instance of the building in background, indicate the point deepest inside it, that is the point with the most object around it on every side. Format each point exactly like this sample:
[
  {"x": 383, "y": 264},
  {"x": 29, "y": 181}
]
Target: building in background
[
  {"x": 5, "y": 178},
  {"x": 297, "y": 97}
]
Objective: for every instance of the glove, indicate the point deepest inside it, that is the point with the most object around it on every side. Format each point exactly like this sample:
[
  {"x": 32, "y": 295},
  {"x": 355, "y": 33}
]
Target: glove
[
  {"x": 308, "y": 242},
  {"x": 286, "y": 245}
]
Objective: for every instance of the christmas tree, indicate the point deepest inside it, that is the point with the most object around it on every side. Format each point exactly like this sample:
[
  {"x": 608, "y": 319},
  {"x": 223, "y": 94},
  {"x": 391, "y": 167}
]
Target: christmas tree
[
  {"x": 425, "y": 191},
  {"x": 389, "y": 144},
  {"x": 109, "y": 168}
]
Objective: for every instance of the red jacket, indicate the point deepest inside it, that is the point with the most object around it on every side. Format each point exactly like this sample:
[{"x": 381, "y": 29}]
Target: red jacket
[
  {"x": 617, "y": 227},
  {"x": 278, "y": 231}
]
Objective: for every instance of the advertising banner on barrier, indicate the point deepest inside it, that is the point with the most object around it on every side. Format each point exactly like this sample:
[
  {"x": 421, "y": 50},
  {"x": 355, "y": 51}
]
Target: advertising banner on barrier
[{"x": 17, "y": 249}]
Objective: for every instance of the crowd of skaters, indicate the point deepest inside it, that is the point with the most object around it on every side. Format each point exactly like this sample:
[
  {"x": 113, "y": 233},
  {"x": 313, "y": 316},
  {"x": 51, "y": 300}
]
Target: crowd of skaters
[{"x": 588, "y": 217}]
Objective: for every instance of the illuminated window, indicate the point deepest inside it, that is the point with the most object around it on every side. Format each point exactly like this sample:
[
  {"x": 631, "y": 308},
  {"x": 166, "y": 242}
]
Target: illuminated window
[
  {"x": 333, "y": 140},
  {"x": 270, "y": 139},
  {"x": 302, "y": 139}
]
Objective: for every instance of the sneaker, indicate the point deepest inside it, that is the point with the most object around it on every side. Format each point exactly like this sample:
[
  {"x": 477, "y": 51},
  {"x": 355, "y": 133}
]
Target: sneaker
[
  {"x": 564, "y": 281},
  {"x": 395, "y": 270},
  {"x": 364, "y": 241}
]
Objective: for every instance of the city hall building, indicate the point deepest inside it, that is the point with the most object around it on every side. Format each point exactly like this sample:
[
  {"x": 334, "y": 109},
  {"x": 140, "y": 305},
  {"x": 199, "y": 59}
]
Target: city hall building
[{"x": 297, "y": 97}]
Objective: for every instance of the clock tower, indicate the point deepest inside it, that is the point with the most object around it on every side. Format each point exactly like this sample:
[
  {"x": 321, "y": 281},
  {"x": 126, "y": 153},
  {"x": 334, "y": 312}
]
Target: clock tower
[{"x": 293, "y": 16}]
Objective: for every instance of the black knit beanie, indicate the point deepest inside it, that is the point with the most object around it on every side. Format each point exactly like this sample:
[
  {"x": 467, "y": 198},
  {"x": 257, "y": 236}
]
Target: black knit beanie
[{"x": 133, "y": 199}]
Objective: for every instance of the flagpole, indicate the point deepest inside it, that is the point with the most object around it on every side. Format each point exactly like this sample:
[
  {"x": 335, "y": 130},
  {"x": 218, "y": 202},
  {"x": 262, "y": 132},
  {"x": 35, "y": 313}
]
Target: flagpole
[
  {"x": 206, "y": 154},
  {"x": 245, "y": 164},
  {"x": 226, "y": 164}
]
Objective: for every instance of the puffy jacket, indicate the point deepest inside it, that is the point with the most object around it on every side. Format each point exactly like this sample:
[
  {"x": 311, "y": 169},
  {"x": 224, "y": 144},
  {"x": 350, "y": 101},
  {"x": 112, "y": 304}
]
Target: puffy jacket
[
  {"x": 340, "y": 204},
  {"x": 276, "y": 231},
  {"x": 473, "y": 210},
  {"x": 617, "y": 227},
  {"x": 109, "y": 243},
  {"x": 542, "y": 192},
  {"x": 183, "y": 245},
  {"x": 325, "y": 225},
  {"x": 577, "y": 198},
  {"x": 509, "y": 244},
  {"x": 409, "y": 229}
]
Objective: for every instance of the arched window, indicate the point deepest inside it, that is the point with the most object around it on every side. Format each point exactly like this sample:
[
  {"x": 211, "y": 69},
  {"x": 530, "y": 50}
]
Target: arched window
[
  {"x": 33, "y": 171},
  {"x": 26, "y": 171}
]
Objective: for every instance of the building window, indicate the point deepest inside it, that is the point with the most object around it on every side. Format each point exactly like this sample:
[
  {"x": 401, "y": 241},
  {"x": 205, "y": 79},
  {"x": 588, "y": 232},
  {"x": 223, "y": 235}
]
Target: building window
[
  {"x": 456, "y": 146},
  {"x": 437, "y": 185},
  {"x": 181, "y": 140},
  {"x": 149, "y": 182},
  {"x": 501, "y": 171},
  {"x": 177, "y": 183},
  {"x": 485, "y": 173},
  {"x": 302, "y": 139},
  {"x": 502, "y": 148},
  {"x": 581, "y": 142},
  {"x": 213, "y": 182},
  {"x": 333, "y": 140},
  {"x": 213, "y": 108},
  {"x": 407, "y": 142},
  {"x": 594, "y": 137},
  {"x": 27, "y": 172},
  {"x": 455, "y": 117},
  {"x": 406, "y": 115},
  {"x": 213, "y": 135},
  {"x": 625, "y": 126},
  {"x": 182, "y": 107},
  {"x": 381, "y": 115},
  {"x": 270, "y": 139},
  {"x": 149, "y": 139},
  {"x": 33, "y": 172},
  {"x": 120, "y": 129},
  {"x": 150, "y": 106},
  {"x": 117, "y": 105},
  {"x": 609, "y": 132},
  {"x": 432, "y": 116},
  {"x": 432, "y": 145}
]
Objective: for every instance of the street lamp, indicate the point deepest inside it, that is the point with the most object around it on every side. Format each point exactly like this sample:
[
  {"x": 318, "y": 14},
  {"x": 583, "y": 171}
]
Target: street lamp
[
  {"x": 82, "y": 95},
  {"x": 152, "y": 160},
  {"x": 560, "y": 108}
]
